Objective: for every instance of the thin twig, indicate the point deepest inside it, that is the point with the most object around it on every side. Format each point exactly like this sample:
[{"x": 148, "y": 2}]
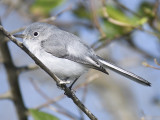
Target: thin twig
[
  {"x": 106, "y": 42},
  {"x": 7, "y": 95},
  {"x": 148, "y": 65},
  {"x": 155, "y": 10},
  {"x": 155, "y": 60},
  {"x": 149, "y": 32},
  {"x": 27, "y": 68},
  {"x": 139, "y": 50},
  {"x": 125, "y": 8},
  {"x": 50, "y": 101},
  {"x": 150, "y": 118},
  {"x": 59, "y": 82},
  {"x": 51, "y": 19},
  {"x": 95, "y": 18},
  {"x": 88, "y": 81},
  {"x": 62, "y": 112},
  {"x": 18, "y": 30}
]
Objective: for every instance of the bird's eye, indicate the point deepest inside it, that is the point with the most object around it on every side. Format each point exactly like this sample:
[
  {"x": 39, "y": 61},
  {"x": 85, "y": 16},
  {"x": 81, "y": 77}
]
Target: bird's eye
[{"x": 36, "y": 34}]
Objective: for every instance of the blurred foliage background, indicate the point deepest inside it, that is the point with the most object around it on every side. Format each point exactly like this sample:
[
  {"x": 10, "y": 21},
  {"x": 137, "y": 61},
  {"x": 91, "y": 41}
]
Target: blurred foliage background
[{"x": 124, "y": 32}]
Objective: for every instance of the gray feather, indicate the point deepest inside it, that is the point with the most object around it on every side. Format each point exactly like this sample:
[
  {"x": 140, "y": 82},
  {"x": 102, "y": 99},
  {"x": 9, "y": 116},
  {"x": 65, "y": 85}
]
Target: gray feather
[{"x": 63, "y": 45}]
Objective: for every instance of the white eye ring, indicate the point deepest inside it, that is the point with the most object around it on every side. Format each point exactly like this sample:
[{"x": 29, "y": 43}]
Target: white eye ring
[{"x": 36, "y": 34}]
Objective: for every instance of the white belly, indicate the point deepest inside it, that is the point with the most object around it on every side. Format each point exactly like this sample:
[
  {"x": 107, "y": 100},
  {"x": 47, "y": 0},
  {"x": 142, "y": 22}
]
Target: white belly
[{"x": 62, "y": 68}]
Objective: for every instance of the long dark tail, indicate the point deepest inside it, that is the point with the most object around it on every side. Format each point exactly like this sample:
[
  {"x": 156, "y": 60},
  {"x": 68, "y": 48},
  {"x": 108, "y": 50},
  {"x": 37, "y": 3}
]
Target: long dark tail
[{"x": 123, "y": 72}]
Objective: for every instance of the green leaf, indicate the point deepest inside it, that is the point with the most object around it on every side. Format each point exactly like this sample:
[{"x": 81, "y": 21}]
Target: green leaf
[
  {"x": 38, "y": 115},
  {"x": 119, "y": 15},
  {"x": 44, "y": 7},
  {"x": 111, "y": 30}
]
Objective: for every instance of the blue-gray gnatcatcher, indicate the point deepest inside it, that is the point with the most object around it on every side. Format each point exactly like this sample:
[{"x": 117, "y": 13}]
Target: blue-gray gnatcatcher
[{"x": 65, "y": 54}]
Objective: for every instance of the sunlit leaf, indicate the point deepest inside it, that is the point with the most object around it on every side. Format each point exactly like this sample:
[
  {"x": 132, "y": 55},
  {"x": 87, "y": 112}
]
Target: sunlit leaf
[
  {"x": 38, "y": 115},
  {"x": 44, "y": 7},
  {"x": 120, "y": 16},
  {"x": 111, "y": 30}
]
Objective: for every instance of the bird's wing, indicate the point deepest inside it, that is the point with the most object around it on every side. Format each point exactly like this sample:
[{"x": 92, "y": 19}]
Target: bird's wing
[
  {"x": 68, "y": 46},
  {"x": 53, "y": 47}
]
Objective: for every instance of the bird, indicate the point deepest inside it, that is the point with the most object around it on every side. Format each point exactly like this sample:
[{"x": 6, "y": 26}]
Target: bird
[{"x": 66, "y": 55}]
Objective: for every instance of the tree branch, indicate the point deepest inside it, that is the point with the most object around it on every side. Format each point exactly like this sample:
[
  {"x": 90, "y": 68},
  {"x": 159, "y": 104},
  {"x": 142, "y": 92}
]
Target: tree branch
[
  {"x": 59, "y": 82},
  {"x": 60, "y": 109},
  {"x": 51, "y": 19}
]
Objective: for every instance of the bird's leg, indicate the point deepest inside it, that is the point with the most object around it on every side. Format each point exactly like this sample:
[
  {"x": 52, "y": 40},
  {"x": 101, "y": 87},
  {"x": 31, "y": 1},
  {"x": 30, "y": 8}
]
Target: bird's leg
[
  {"x": 63, "y": 82},
  {"x": 70, "y": 87}
]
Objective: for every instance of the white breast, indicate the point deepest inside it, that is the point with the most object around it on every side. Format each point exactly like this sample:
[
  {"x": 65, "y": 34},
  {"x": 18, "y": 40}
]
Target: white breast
[{"x": 63, "y": 68}]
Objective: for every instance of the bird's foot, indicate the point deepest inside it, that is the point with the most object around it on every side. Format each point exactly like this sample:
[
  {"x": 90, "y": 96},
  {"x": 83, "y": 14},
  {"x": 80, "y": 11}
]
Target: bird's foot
[{"x": 62, "y": 83}]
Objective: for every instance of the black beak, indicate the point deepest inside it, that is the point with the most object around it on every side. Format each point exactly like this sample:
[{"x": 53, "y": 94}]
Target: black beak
[{"x": 19, "y": 35}]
